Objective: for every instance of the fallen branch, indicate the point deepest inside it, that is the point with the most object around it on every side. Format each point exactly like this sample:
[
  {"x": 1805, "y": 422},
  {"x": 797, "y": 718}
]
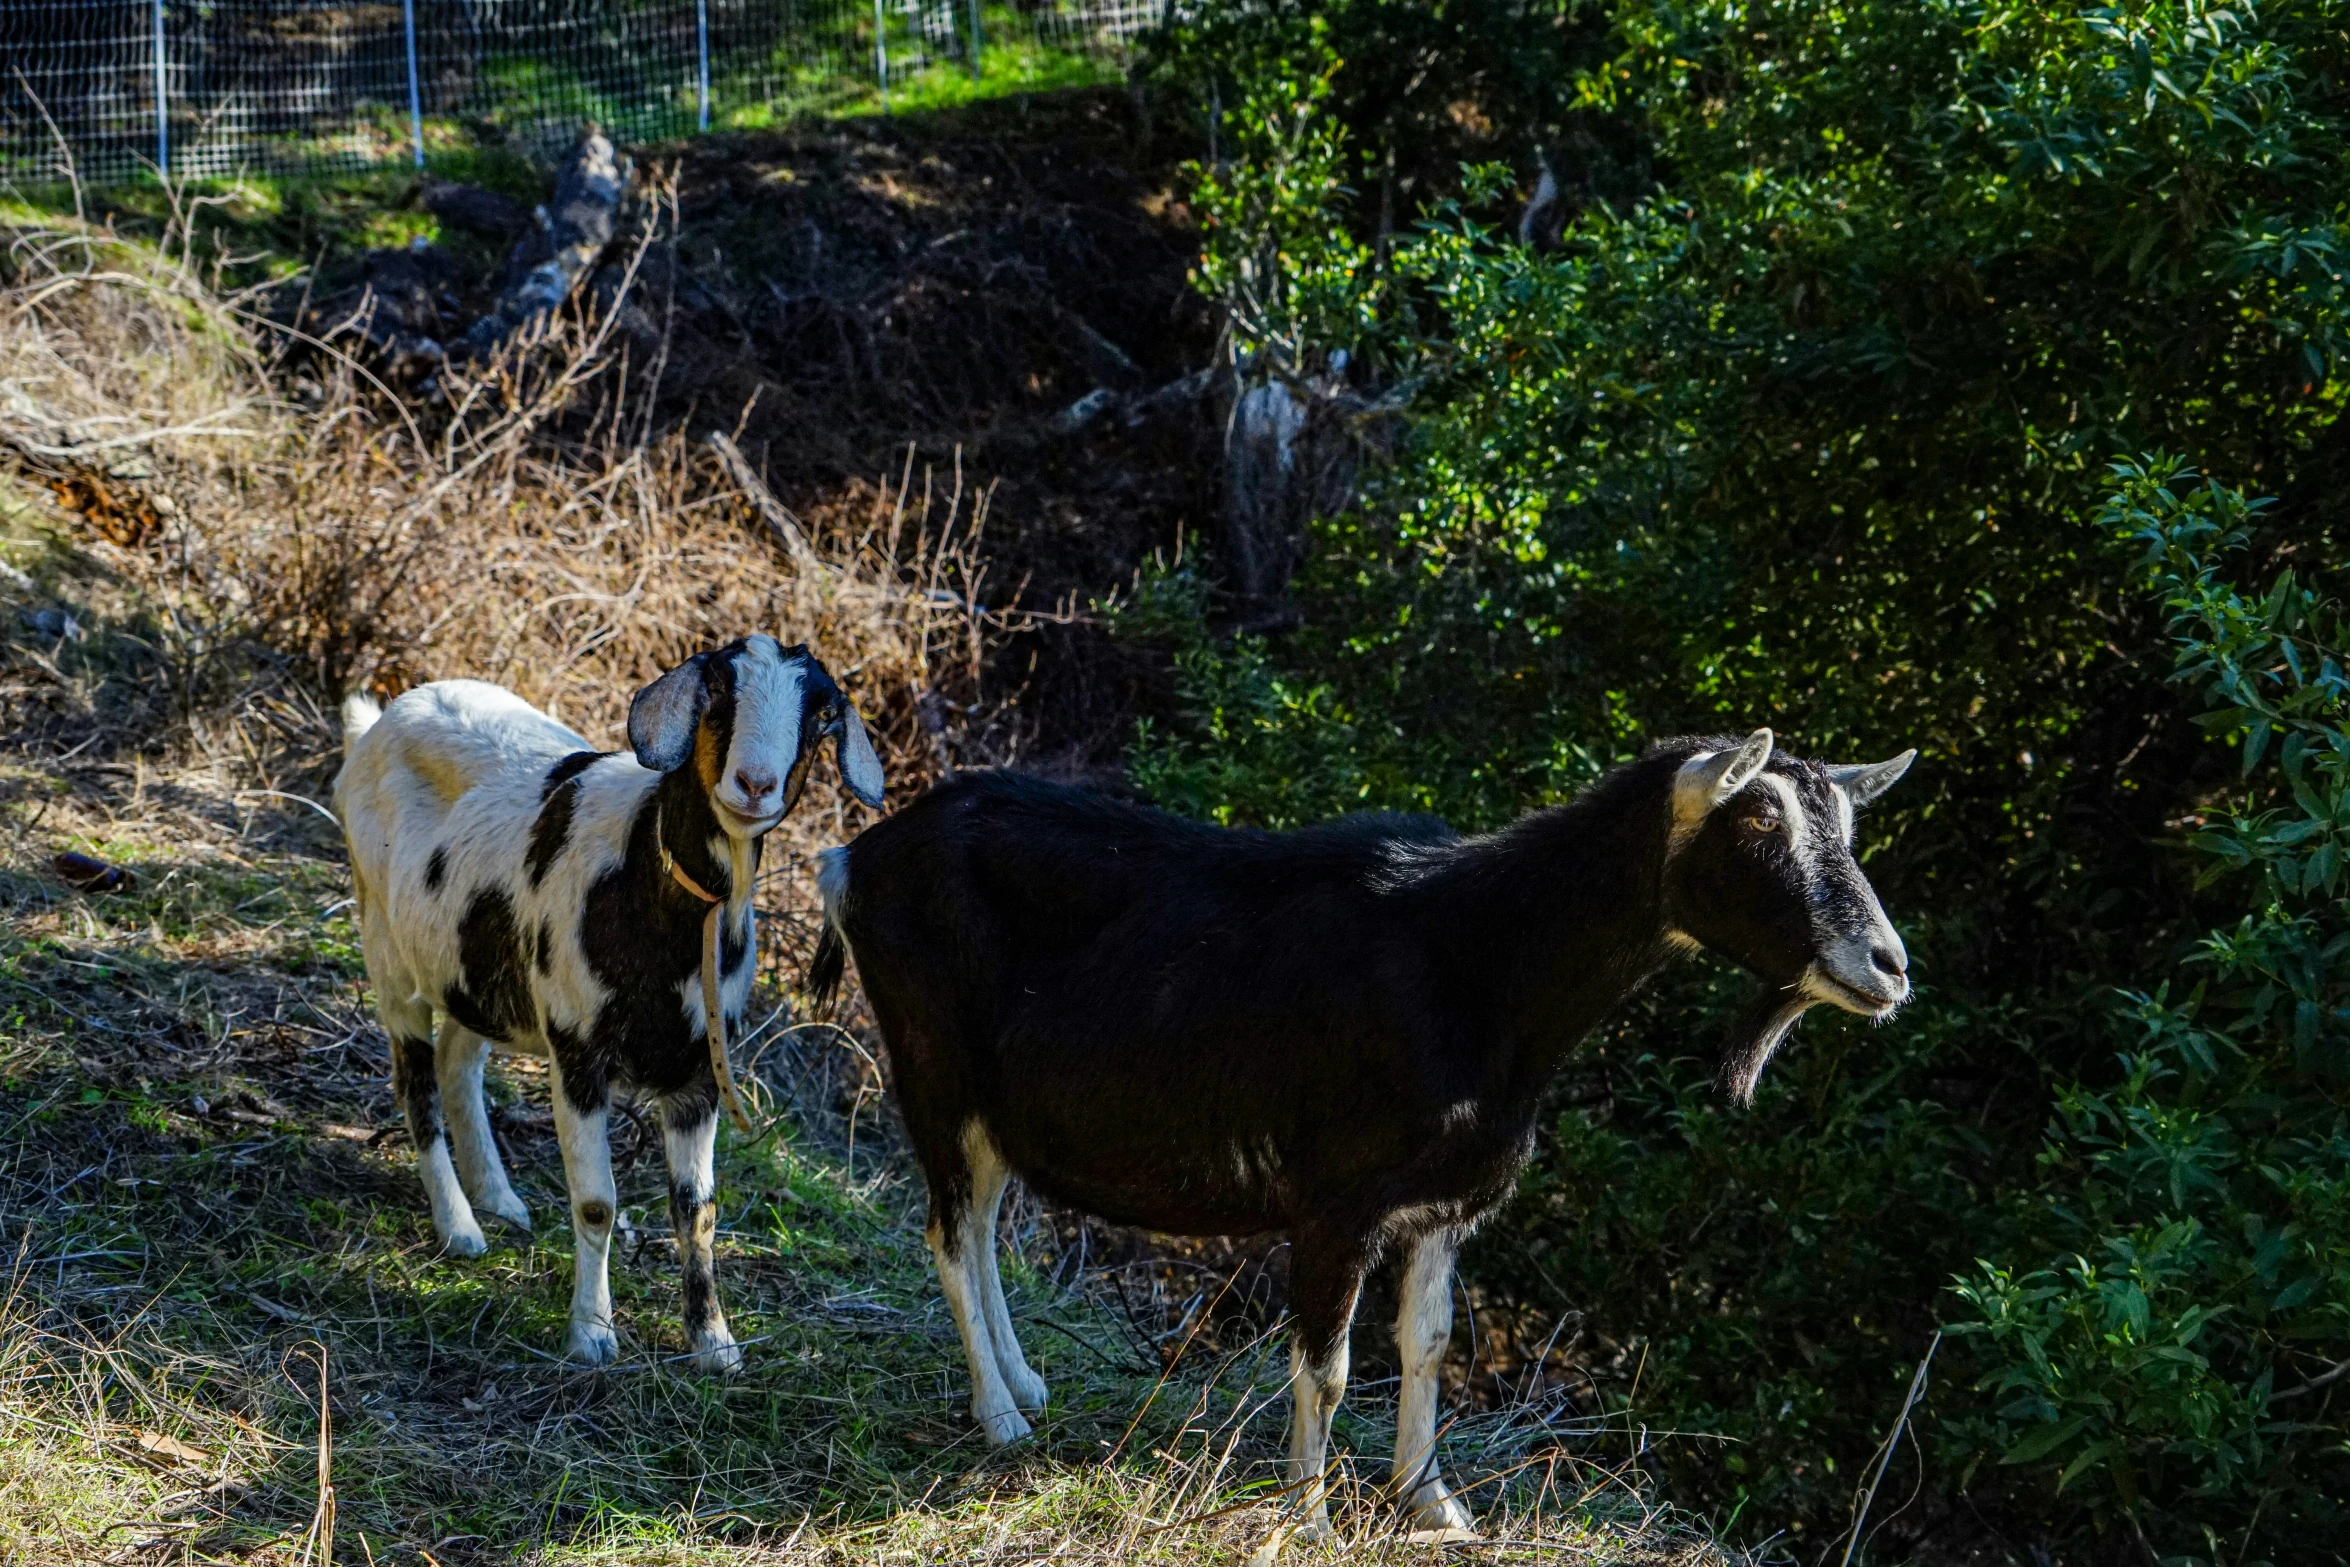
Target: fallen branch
[
  {"x": 777, "y": 515},
  {"x": 576, "y": 226},
  {"x": 33, "y": 448}
]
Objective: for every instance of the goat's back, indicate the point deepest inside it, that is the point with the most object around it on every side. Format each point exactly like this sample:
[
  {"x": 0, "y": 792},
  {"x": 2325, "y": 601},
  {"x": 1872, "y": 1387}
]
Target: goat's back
[
  {"x": 1137, "y": 1005},
  {"x": 434, "y": 746},
  {"x": 436, "y": 743},
  {"x": 1063, "y": 864}
]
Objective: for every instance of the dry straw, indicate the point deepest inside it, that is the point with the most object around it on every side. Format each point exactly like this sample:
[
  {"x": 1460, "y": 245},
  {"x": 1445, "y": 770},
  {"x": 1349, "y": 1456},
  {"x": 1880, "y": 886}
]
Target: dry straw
[{"x": 530, "y": 522}]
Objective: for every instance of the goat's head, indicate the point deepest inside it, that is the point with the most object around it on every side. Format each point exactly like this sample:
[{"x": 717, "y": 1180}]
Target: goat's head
[
  {"x": 1760, "y": 869},
  {"x": 749, "y": 717}
]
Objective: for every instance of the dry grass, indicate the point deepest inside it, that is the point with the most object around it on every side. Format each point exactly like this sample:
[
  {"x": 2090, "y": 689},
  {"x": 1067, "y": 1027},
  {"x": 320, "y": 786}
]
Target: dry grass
[
  {"x": 527, "y": 524},
  {"x": 202, "y": 1182}
]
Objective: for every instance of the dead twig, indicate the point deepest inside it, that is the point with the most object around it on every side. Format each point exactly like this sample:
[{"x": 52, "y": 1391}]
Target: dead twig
[
  {"x": 1868, "y": 1495},
  {"x": 777, "y": 515}
]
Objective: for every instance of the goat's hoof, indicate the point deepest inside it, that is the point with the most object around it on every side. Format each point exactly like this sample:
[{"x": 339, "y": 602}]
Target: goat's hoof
[
  {"x": 465, "y": 1243},
  {"x": 592, "y": 1344},
  {"x": 1443, "y": 1521},
  {"x": 509, "y": 1210},
  {"x": 1446, "y": 1536},
  {"x": 1027, "y": 1390},
  {"x": 1004, "y": 1428},
  {"x": 718, "y": 1355}
]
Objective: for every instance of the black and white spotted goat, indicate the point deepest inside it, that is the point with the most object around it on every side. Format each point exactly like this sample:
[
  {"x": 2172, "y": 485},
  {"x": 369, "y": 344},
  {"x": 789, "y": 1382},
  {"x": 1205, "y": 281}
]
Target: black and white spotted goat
[
  {"x": 1344, "y": 1032},
  {"x": 553, "y": 900}
]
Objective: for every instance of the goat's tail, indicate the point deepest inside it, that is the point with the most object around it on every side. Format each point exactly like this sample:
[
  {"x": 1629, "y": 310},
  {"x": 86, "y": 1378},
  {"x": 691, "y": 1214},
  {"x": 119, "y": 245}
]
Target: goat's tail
[
  {"x": 822, "y": 982},
  {"x": 360, "y": 711}
]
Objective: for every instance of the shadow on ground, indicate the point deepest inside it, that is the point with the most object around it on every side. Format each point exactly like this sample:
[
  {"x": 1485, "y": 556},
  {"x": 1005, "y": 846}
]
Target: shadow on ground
[{"x": 206, "y": 1188}]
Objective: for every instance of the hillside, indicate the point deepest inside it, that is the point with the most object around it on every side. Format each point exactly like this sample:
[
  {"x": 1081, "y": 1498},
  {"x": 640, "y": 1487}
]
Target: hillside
[{"x": 211, "y": 1217}]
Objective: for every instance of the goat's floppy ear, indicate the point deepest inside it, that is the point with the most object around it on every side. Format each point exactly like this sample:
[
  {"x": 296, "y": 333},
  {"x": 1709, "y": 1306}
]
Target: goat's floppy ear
[
  {"x": 860, "y": 769},
  {"x": 1864, "y": 781},
  {"x": 663, "y": 716},
  {"x": 1706, "y": 781}
]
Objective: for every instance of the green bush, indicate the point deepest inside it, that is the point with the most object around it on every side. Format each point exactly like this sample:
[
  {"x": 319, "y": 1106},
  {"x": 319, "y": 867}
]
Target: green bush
[
  {"x": 2171, "y": 1355},
  {"x": 1815, "y": 433}
]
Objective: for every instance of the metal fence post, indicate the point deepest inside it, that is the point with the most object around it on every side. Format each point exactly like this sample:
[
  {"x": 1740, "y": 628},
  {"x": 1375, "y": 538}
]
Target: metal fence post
[
  {"x": 702, "y": 45},
  {"x": 975, "y": 39},
  {"x": 881, "y": 52},
  {"x": 162, "y": 107},
  {"x": 415, "y": 89}
]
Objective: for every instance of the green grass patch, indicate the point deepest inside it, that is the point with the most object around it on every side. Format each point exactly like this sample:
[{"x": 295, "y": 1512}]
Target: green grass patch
[
  {"x": 803, "y": 92},
  {"x": 302, "y": 191},
  {"x": 205, "y": 1189}
]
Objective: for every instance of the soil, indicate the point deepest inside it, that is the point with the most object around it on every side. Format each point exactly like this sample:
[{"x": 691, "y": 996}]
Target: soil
[{"x": 954, "y": 291}]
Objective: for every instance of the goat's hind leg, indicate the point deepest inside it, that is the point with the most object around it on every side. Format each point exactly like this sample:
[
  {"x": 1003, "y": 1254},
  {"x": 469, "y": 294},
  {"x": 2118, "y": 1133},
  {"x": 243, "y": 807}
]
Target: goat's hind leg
[
  {"x": 954, "y": 1246},
  {"x": 989, "y": 1178},
  {"x": 460, "y": 1056},
  {"x": 416, "y": 1084},
  {"x": 1423, "y": 1331}
]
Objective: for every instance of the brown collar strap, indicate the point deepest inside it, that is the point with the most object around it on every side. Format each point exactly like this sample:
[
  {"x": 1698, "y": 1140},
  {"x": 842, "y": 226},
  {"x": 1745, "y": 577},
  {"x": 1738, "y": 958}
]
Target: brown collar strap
[
  {"x": 713, "y": 1007},
  {"x": 677, "y": 871}
]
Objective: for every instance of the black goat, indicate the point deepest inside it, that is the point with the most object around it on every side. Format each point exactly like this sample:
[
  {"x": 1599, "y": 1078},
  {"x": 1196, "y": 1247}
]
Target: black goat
[{"x": 1344, "y": 1033}]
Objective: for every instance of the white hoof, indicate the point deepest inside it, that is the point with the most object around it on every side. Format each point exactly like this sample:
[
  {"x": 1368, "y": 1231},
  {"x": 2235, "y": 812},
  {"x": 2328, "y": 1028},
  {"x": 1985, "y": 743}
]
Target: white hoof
[
  {"x": 1442, "y": 1514},
  {"x": 1312, "y": 1531},
  {"x": 1028, "y": 1390},
  {"x": 509, "y": 1209},
  {"x": 717, "y": 1354},
  {"x": 592, "y": 1344},
  {"x": 468, "y": 1242},
  {"x": 1003, "y": 1428}
]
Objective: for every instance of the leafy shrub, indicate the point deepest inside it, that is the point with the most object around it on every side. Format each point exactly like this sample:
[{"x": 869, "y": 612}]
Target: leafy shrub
[
  {"x": 1426, "y": 85},
  {"x": 2195, "y": 1214},
  {"x": 1814, "y": 433}
]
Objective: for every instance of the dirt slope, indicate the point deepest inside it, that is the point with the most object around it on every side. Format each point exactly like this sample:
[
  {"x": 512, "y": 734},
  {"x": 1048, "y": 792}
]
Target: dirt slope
[
  {"x": 964, "y": 282},
  {"x": 863, "y": 300}
]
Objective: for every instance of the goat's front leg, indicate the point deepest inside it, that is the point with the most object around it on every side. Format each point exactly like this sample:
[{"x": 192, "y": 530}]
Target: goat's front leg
[
  {"x": 1325, "y": 1280},
  {"x": 459, "y": 1057},
  {"x": 1423, "y": 1331},
  {"x": 582, "y": 1106},
  {"x": 689, "y": 1134}
]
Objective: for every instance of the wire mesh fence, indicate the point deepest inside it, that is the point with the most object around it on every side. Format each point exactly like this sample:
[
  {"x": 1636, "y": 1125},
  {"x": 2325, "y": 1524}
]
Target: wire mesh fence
[{"x": 126, "y": 87}]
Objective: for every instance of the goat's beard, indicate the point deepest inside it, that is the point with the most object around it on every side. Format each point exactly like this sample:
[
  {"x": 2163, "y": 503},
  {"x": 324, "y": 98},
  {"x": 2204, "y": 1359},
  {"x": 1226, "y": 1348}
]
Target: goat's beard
[
  {"x": 742, "y": 869},
  {"x": 1765, "y": 1024}
]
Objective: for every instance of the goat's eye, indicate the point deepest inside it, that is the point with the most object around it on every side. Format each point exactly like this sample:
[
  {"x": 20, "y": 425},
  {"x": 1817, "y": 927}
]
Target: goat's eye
[{"x": 1763, "y": 821}]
